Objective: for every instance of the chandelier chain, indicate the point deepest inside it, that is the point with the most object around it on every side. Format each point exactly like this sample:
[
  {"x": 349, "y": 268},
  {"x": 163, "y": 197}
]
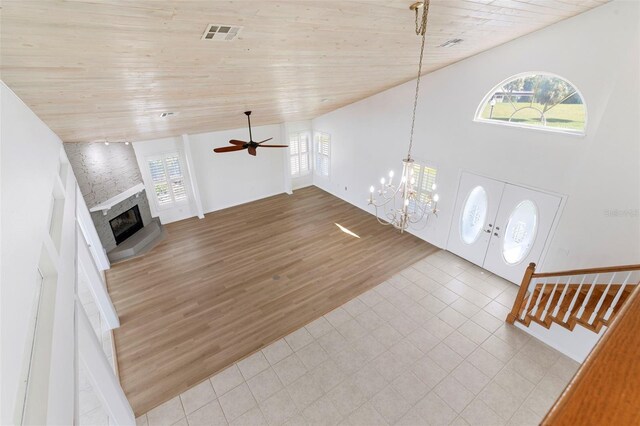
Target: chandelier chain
[
  {"x": 421, "y": 30},
  {"x": 415, "y": 203}
]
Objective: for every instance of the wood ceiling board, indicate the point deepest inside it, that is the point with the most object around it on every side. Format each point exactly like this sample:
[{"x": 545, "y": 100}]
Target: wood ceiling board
[{"x": 107, "y": 69}]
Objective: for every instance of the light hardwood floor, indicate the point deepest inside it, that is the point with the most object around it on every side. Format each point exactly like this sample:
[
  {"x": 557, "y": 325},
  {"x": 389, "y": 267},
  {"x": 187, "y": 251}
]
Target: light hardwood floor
[{"x": 221, "y": 288}]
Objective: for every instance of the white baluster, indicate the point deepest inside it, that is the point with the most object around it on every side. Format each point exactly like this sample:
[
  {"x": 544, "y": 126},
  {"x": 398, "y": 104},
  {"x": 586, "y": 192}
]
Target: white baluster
[
  {"x": 607, "y": 315},
  {"x": 553, "y": 292},
  {"x": 601, "y": 301},
  {"x": 586, "y": 299},
  {"x": 524, "y": 313},
  {"x": 535, "y": 308},
  {"x": 564, "y": 292},
  {"x": 574, "y": 300}
]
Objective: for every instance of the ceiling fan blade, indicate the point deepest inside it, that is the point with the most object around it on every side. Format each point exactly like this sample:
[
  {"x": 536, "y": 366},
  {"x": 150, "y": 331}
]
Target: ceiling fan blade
[
  {"x": 252, "y": 150},
  {"x": 228, "y": 149},
  {"x": 273, "y": 146},
  {"x": 236, "y": 142},
  {"x": 264, "y": 141}
]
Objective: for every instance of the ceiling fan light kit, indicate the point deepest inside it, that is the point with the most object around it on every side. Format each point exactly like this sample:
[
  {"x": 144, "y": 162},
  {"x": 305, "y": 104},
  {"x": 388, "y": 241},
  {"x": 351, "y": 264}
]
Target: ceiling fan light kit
[
  {"x": 411, "y": 209},
  {"x": 251, "y": 146}
]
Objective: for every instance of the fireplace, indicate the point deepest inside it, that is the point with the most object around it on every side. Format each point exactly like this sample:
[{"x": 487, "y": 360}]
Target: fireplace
[{"x": 126, "y": 224}]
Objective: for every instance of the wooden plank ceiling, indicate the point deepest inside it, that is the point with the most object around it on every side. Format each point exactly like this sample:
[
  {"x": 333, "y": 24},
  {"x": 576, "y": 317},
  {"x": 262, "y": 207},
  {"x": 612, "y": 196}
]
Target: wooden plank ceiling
[{"x": 102, "y": 69}]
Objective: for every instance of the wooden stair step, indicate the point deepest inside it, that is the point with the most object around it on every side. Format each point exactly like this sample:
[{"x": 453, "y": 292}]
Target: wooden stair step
[{"x": 573, "y": 320}]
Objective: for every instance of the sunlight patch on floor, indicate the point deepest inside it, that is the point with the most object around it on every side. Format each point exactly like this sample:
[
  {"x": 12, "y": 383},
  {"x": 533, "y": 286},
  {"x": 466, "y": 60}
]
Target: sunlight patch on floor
[{"x": 346, "y": 231}]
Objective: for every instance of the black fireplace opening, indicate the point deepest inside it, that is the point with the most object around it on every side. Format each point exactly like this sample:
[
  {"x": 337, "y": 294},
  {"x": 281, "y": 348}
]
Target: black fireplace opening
[{"x": 126, "y": 224}]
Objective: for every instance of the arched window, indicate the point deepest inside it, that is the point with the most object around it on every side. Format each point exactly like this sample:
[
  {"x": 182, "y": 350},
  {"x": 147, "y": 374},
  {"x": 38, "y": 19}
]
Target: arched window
[{"x": 535, "y": 100}]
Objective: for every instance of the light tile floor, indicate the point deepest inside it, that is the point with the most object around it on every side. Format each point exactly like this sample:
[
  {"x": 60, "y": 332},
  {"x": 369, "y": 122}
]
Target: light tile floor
[{"x": 428, "y": 346}]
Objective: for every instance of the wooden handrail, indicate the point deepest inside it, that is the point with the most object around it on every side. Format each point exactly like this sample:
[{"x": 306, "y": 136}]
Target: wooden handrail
[
  {"x": 530, "y": 273},
  {"x": 604, "y": 270},
  {"x": 606, "y": 388},
  {"x": 524, "y": 287}
]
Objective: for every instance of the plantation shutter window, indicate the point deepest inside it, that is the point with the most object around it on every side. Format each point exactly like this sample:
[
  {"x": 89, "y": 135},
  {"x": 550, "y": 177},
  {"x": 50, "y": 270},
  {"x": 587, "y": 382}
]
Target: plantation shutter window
[
  {"x": 304, "y": 153},
  {"x": 426, "y": 184},
  {"x": 299, "y": 153},
  {"x": 425, "y": 180},
  {"x": 168, "y": 180},
  {"x": 323, "y": 141}
]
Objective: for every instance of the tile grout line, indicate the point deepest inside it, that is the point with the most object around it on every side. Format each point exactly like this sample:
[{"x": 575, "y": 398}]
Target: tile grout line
[{"x": 405, "y": 368}]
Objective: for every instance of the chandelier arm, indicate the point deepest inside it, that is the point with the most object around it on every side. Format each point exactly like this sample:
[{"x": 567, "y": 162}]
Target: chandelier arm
[
  {"x": 378, "y": 217},
  {"x": 392, "y": 217},
  {"x": 394, "y": 191},
  {"x": 417, "y": 218},
  {"x": 423, "y": 207},
  {"x": 389, "y": 212},
  {"x": 420, "y": 228},
  {"x": 384, "y": 201}
]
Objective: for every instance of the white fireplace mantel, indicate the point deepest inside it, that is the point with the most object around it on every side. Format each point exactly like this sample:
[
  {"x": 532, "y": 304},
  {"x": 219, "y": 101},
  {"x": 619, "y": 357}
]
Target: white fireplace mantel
[{"x": 106, "y": 205}]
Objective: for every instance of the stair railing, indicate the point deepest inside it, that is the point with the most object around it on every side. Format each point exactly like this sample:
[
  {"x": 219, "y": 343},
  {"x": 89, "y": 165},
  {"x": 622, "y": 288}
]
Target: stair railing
[{"x": 563, "y": 297}]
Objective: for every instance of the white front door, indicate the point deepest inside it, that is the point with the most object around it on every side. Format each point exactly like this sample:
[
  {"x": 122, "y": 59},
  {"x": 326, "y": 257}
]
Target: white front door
[
  {"x": 521, "y": 229},
  {"x": 474, "y": 214},
  {"x": 499, "y": 226}
]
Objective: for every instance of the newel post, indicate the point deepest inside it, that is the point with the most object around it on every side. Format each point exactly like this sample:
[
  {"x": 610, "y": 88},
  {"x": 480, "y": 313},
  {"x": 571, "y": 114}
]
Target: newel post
[{"x": 524, "y": 287}]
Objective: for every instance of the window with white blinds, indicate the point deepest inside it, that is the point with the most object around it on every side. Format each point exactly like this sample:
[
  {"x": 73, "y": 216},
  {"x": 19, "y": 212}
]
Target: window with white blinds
[
  {"x": 323, "y": 152},
  {"x": 299, "y": 153},
  {"x": 168, "y": 181},
  {"x": 425, "y": 178}
]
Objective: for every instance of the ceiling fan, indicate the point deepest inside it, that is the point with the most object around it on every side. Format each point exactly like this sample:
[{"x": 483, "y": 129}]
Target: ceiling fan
[{"x": 251, "y": 145}]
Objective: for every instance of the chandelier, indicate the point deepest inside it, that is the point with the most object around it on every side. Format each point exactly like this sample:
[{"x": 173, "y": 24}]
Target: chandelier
[{"x": 401, "y": 204}]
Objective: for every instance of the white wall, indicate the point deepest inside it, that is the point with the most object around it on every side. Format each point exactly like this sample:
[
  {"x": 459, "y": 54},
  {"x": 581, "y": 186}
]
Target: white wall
[
  {"x": 598, "y": 52},
  {"x": 234, "y": 178},
  {"x": 224, "y": 180},
  {"x": 34, "y": 167},
  {"x": 30, "y": 161},
  {"x": 576, "y": 343}
]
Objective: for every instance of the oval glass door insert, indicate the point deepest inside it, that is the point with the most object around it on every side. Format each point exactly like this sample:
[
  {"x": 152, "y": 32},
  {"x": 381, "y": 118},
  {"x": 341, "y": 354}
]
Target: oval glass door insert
[
  {"x": 520, "y": 232},
  {"x": 473, "y": 215}
]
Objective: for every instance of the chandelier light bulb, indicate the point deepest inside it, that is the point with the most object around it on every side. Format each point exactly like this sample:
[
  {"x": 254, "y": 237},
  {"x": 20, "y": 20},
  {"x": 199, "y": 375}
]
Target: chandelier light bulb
[
  {"x": 436, "y": 198},
  {"x": 390, "y": 174},
  {"x": 371, "y": 189},
  {"x": 406, "y": 201},
  {"x": 382, "y": 181},
  {"x": 433, "y": 187}
]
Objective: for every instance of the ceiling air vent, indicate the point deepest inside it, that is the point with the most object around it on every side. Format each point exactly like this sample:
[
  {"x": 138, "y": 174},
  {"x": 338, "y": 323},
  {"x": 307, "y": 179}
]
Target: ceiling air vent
[
  {"x": 221, "y": 32},
  {"x": 452, "y": 42}
]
